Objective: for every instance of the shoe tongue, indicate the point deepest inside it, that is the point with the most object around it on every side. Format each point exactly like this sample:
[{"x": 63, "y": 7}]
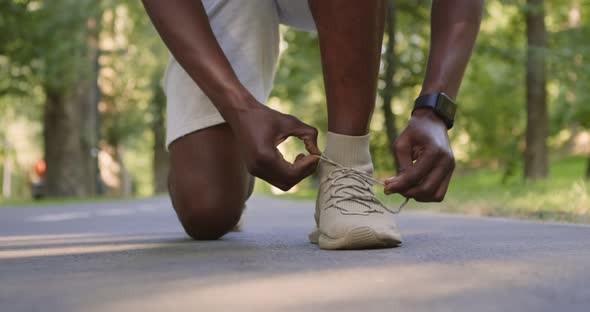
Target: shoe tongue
[
  {"x": 348, "y": 162},
  {"x": 350, "y": 151}
]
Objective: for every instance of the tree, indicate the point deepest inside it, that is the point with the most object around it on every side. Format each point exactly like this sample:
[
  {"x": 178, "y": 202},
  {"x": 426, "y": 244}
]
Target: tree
[
  {"x": 388, "y": 90},
  {"x": 535, "y": 158},
  {"x": 154, "y": 56},
  {"x": 160, "y": 163},
  {"x": 403, "y": 59},
  {"x": 569, "y": 66},
  {"x": 133, "y": 99},
  {"x": 58, "y": 53}
]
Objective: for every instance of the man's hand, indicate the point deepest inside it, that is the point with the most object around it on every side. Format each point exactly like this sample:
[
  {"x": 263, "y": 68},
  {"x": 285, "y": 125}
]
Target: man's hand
[
  {"x": 425, "y": 159},
  {"x": 259, "y": 130}
]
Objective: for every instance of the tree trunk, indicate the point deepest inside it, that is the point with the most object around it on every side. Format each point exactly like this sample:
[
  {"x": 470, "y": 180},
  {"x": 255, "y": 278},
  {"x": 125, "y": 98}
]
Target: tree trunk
[
  {"x": 70, "y": 129},
  {"x": 160, "y": 161},
  {"x": 90, "y": 113},
  {"x": 389, "y": 88},
  {"x": 125, "y": 178},
  {"x": 66, "y": 152},
  {"x": 535, "y": 158},
  {"x": 6, "y": 176}
]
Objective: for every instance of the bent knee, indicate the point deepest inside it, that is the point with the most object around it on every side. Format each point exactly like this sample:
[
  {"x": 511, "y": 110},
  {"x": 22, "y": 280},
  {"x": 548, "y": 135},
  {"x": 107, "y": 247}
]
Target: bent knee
[{"x": 206, "y": 218}]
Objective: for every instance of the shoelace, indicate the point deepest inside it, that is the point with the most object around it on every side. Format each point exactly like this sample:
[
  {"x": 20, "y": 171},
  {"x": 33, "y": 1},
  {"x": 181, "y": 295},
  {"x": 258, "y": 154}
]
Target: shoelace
[{"x": 365, "y": 184}]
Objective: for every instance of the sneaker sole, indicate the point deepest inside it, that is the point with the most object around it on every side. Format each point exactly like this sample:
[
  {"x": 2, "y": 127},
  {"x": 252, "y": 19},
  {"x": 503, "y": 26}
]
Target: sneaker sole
[
  {"x": 314, "y": 236},
  {"x": 359, "y": 238}
]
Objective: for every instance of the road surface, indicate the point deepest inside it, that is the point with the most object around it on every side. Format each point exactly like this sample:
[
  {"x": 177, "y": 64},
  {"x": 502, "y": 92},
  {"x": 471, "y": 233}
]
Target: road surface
[{"x": 133, "y": 256}]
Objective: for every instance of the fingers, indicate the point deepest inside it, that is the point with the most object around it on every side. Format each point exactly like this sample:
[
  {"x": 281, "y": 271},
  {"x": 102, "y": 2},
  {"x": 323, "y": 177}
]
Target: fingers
[
  {"x": 274, "y": 169},
  {"x": 444, "y": 186},
  {"x": 412, "y": 175},
  {"x": 434, "y": 186},
  {"x": 424, "y": 182},
  {"x": 299, "y": 157},
  {"x": 303, "y": 167},
  {"x": 264, "y": 160},
  {"x": 286, "y": 175},
  {"x": 425, "y": 141},
  {"x": 271, "y": 167},
  {"x": 306, "y": 133},
  {"x": 403, "y": 154}
]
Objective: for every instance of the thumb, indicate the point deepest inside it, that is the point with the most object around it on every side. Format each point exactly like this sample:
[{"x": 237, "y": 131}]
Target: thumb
[{"x": 304, "y": 166}]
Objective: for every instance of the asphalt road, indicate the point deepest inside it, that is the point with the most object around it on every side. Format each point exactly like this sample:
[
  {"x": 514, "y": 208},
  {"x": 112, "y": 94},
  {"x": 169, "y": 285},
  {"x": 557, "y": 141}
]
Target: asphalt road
[{"x": 133, "y": 256}]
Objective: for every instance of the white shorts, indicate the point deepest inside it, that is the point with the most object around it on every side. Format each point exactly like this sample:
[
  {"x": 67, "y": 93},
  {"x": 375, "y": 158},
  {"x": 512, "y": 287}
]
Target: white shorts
[{"x": 248, "y": 32}]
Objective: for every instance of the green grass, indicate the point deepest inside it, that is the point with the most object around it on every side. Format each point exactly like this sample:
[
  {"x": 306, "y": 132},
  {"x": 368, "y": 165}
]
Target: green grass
[{"x": 563, "y": 196}]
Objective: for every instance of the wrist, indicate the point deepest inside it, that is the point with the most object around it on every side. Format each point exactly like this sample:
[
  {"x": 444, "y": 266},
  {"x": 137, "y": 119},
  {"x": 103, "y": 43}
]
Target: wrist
[
  {"x": 440, "y": 104},
  {"x": 429, "y": 115},
  {"x": 233, "y": 101}
]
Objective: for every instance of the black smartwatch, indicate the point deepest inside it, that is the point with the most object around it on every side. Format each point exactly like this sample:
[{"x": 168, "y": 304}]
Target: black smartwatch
[{"x": 442, "y": 105}]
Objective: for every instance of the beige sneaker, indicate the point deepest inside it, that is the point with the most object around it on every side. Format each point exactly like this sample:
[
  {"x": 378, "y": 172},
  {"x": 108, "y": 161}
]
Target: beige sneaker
[{"x": 348, "y": 214}]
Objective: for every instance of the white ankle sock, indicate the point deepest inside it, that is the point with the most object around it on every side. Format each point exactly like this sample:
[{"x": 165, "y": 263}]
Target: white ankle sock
[{"x": 349, "y": 151}]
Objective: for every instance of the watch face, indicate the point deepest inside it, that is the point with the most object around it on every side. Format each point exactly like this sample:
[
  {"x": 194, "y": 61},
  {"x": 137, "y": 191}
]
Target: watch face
[{"x": 446, "y": 106}]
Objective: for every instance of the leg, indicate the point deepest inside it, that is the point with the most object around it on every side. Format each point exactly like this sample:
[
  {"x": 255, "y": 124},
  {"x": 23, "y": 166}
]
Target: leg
[
  {"x": 208, "y": 182},
  {"x": 350, "y": 35}
]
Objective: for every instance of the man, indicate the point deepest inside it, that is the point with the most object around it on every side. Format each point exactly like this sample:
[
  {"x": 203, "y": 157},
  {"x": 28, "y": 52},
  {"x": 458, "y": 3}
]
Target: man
[{"x": 220, "y": 134}]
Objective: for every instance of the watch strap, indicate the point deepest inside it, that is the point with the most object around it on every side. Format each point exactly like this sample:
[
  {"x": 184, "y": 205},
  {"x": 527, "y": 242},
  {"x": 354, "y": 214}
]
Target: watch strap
[
  {"x": 431, "y": 100},
  {"x": 426, "y": 100}
]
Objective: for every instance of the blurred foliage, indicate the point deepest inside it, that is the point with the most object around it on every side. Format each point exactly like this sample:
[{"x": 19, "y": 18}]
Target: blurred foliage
[
  {"x": 43, "y": 47},
  {"x": 47, "y": 46}
]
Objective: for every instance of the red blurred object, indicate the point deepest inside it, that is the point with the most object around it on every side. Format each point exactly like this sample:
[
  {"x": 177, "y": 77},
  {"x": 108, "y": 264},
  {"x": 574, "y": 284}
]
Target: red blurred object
[{"x": 40, "y": 167}]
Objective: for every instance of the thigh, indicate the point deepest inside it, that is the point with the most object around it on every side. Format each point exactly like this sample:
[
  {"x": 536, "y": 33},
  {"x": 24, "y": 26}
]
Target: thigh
[{"x": 208, "y": 180}]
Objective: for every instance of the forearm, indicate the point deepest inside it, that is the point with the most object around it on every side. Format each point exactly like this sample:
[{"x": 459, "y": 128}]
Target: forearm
[
  {"x": 184, "y": 28},
  {"x": 454, "y": 28}
]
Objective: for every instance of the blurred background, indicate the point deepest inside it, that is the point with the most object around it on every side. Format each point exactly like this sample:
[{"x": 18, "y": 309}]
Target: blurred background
[{"x": 82, "y": 112}]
